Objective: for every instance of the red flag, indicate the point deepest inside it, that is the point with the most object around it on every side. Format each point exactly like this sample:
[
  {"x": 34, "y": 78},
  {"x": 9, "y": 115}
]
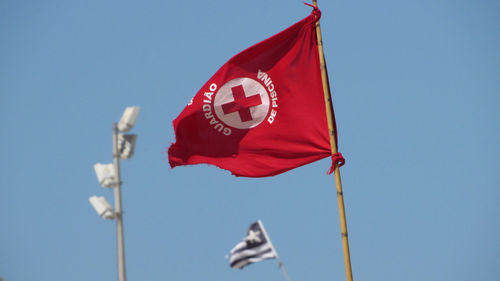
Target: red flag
[{"x": 263, "y": 112}]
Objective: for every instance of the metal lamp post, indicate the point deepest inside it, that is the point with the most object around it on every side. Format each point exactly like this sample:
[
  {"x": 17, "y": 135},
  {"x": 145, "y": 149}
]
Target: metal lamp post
[{"x": 109, "y": 176}]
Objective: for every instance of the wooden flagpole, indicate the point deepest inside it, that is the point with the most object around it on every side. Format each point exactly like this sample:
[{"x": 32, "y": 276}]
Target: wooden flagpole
[{"x": 333, "y": 144}]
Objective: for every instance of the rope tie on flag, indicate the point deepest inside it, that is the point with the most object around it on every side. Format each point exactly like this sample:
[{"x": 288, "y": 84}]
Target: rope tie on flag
[
  {"x": 337, "y": 159},
  {"x": 316, "y": 12}
]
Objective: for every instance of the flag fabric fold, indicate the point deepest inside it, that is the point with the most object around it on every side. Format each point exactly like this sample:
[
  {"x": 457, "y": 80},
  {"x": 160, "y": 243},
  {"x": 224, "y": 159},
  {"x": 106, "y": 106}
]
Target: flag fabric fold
[
  {"x": 253, "y": 248},
  {"x": 263, "y": 112}
]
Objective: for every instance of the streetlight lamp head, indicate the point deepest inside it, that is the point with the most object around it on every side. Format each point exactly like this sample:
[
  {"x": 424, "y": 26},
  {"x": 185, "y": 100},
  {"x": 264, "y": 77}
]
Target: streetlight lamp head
[
  {"x": 127, "y": 121},
  {"x": 102, "y": 207},
  {"x": 106, "y": 174},
  {"x": 126, "y": 145}
]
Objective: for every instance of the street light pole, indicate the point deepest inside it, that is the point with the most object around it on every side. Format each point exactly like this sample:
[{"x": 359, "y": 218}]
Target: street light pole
[
  {"x": 122, "y": 276},
  {"x": 108, "y": 175}
]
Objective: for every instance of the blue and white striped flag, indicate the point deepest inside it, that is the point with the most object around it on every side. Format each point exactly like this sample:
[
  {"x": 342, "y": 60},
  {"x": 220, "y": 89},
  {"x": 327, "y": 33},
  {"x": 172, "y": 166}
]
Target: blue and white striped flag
[{"x": 255, "y": 247}]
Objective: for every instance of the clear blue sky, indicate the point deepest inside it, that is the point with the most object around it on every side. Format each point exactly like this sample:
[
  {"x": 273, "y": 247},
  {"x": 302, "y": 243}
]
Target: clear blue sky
[{"x": 416, "y": 93}]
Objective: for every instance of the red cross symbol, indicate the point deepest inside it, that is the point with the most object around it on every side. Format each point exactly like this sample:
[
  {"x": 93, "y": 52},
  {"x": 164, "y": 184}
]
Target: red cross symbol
[{"x": 241, "y": 103}]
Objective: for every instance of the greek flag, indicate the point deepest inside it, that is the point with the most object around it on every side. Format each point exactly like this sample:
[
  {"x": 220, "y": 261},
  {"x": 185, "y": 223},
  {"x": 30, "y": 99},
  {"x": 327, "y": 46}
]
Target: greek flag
[{"x": 255, "y": 247}]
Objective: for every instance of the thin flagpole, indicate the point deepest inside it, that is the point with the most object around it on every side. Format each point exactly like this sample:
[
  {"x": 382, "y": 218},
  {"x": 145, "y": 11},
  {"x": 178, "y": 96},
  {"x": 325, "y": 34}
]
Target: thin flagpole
[
  {"x": 282, "y": 266},
  {"x": 333, "y": 144}
]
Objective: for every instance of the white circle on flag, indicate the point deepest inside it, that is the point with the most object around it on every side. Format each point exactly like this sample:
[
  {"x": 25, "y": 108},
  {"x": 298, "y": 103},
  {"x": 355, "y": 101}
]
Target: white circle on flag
[{"x": 242, "y": 103}]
